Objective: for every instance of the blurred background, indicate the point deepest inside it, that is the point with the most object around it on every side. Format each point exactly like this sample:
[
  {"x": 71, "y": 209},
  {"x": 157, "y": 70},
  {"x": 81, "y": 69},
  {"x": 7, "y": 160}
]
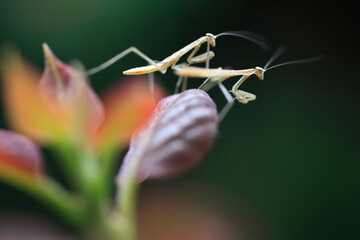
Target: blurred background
[{"x": 291, "y": 156}]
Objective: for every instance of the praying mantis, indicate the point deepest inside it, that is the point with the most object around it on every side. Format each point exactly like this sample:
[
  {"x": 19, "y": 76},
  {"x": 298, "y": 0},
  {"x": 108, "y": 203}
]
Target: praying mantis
[
  {"x": 163, "y": 65},
  {"x": 172, "y": 60},
  {"x": 217, "y": 76}
]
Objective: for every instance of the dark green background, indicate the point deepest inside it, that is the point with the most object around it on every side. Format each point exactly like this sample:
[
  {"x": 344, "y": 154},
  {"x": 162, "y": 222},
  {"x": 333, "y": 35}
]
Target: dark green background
[{"x": 293, "y": 153}]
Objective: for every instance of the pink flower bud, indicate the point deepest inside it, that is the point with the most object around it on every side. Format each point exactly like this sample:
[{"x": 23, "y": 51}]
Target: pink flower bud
[
  {"x": 178, "y": 136},
  {"x": 19, "y": 155},
  {"x": 63, "y": 83}
]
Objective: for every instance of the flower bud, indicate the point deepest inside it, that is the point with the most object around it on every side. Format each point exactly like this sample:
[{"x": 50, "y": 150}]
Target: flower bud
[
  {"x": 19, "y": 156},
  {"x": 67, "y": 86},
  {"x": 178, "y": 136}
]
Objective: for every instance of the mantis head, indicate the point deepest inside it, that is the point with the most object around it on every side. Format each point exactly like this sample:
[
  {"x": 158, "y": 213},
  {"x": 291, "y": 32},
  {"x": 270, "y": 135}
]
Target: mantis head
[
  {"x": 259, "y": 72},
  {"x": 211, "y": 39}
]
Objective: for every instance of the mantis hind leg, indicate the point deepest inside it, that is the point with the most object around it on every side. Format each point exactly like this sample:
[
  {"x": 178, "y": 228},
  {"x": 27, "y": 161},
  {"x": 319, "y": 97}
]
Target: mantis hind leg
[
  {"x": 229, "y": 104},
  {"x": 178, "y": 84},
  {"x": 151, "y": 84},
  {"x": 123, "y": 54},
  {"x": 120, "y": 56},
  {"x": 204, "y": 84},
  {"x": 207, "y": 64},
  {"x": 210, "y": 83},
  {"x": 184, "y": 85},
  {"x": 181, "y": 80}
]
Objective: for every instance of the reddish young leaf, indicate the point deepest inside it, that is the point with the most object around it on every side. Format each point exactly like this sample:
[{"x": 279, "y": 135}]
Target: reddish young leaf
[
  {"x": 28, "y": 110},
  {"x": 66, "y": 86},
  {"x": 177, "y": 137},
  {"x": 128, "y": 106},
  {"x": 20, "y": 158},
  {"x": 61, "y": 106}
]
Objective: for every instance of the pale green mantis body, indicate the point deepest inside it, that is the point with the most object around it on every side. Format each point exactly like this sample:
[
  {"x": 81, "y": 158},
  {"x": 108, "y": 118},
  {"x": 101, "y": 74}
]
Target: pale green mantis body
[
  {"x": 173, "y": 59},
  {"x": 217, "y": 76}
]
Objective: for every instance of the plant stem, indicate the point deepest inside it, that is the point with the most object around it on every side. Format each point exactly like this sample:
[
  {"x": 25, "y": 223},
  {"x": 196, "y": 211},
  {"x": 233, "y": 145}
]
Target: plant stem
[
  {"x": 128, "y": 201},
  {"x": 128, "y": 189},
  {"x": 48, "y": 191},
  {"x": 63, "y": 204}
]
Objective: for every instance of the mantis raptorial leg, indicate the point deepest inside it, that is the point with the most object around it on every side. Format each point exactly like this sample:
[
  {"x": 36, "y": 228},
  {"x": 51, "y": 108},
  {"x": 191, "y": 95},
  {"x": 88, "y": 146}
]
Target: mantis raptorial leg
[
  {"x": 243, "y": 97},
  {"x": 175, "y": 57},
  {"x": 192, "y": 54}
]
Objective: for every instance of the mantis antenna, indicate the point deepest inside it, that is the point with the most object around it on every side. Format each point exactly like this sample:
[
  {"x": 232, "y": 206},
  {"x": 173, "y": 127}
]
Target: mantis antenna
[
  {"x": 280, "y": 50},
  {"x": 307, "y": 60},
  {"x": 250, "y": 36}
]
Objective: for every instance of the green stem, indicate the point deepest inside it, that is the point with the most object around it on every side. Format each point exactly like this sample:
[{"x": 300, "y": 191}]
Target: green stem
[
  {"x": 67, "y": 157},
  {"x": 62, "y": 203},
  {"x": 108, "y": 157},
  {"x": 127, "y": 201},
  {"x": 66, "y": 206},
  {"x": 84, "y": 173},
  {"x": 128, "y": 189},
  {"x": 94, "y": 188}
]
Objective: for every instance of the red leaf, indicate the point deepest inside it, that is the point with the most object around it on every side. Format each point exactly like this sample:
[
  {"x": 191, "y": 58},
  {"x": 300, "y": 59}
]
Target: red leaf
[
  {"x": 128, "y": 106},
  {"x": 29, "y": 111},
  {"x": 19, "y": 156},
  {"x": 67, "y": 86}
]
